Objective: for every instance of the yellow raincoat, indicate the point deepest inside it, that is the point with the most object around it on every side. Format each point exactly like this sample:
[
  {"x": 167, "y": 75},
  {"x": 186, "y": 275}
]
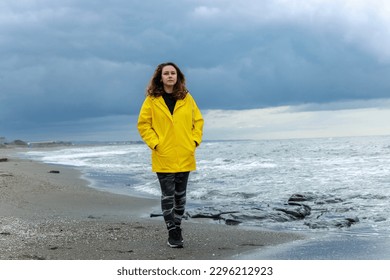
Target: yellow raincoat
[{"x": 172, "y": 138}]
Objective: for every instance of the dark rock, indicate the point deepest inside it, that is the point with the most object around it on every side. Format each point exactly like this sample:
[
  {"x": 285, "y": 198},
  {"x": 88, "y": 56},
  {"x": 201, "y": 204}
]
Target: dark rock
[
  {"x": 333, "y": 200},
  {"x": 317, "y": 225},
  {"x": 3, "y": 159},
  {"x": 215, "y": 216},
  {"x": 300, "y": 211},
  {"x": 342, "y": 224},
  {"x": 353, "y": 220},
  {"x": 92, "y": 217},
  {"x": 279, "y": 217},
  {"x": 153, "y": 215},
  {"x": 232, "y": 222},
  {"x": 246, "y": 215},
  {"x": 54, "y": 171},
  {"x": 297, "y": 197}
]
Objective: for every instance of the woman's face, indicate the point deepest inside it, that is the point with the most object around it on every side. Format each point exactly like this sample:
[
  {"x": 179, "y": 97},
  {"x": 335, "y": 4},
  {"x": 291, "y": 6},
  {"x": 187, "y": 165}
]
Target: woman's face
[{"x": 169, "y": 76}]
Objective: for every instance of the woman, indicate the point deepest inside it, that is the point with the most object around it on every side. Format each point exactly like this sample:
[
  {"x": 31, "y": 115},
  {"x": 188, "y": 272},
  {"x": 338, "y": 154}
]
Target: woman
[{"x": 171, "y": 124}]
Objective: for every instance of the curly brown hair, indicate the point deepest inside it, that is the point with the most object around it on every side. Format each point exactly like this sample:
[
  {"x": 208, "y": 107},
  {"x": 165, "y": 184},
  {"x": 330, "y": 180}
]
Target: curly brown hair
[{"x": 156, "y": 88}]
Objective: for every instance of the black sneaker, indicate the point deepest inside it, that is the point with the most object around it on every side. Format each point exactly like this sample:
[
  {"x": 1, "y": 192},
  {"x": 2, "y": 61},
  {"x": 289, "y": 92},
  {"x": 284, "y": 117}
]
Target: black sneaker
[
  {"x": 179, "y": 233},
  {"x": 174, "y": 239}
]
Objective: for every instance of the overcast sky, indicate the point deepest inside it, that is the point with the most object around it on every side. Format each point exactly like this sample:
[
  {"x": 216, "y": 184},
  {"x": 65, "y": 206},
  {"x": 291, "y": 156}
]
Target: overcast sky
[{"x": 77, "y": 69}]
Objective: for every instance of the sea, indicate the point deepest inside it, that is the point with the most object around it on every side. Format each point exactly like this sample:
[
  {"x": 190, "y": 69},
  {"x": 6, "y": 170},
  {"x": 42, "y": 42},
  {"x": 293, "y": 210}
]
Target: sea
[{"x": 333, "y": 187}]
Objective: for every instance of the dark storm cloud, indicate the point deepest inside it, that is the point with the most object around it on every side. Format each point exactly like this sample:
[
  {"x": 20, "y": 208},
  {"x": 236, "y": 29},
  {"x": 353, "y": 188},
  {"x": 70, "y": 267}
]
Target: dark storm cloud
[{"x": 64, "y": 61}]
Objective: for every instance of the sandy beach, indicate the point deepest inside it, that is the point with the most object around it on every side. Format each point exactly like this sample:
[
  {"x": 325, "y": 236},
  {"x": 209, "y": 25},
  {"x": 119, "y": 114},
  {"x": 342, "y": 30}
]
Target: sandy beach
[{"x": 56, "y": 216}]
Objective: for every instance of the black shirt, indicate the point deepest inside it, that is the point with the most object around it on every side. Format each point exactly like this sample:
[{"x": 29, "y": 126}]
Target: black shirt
[{"x": 170, "y": 101}]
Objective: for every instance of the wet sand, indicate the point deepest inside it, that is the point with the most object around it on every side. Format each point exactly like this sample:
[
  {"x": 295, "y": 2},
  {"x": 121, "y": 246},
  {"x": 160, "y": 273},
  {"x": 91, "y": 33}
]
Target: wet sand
[{"x": 56, "y": 216}]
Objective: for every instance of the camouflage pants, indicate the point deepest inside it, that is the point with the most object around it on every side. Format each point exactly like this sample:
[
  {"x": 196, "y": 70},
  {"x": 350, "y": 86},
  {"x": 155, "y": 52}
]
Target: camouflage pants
[{"x": 173, "y": 197}]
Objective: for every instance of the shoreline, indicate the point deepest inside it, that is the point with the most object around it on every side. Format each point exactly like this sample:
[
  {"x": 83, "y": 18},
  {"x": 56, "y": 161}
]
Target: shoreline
[{"x": 58, "y": 216}]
